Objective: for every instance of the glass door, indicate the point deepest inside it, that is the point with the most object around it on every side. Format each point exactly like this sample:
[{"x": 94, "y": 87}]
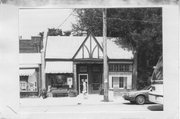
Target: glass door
[
  {"x": 96, "y": 83},
  {"x": 83, "y": 83}
]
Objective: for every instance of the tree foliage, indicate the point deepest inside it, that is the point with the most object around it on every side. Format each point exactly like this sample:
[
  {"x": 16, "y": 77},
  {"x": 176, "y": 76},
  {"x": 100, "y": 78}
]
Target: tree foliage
[
  {"x": 54, "y": 32},
  {"x": 137, "y": 29}
]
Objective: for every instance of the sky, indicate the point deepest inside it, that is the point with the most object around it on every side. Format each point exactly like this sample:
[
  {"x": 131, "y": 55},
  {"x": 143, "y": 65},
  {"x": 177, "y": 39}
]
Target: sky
[{"x": 33, "y": 21}]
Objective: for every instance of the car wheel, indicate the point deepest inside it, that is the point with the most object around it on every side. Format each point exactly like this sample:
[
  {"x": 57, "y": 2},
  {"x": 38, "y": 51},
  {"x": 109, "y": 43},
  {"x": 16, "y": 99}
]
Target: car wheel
[{"x": 140, "y": 100}]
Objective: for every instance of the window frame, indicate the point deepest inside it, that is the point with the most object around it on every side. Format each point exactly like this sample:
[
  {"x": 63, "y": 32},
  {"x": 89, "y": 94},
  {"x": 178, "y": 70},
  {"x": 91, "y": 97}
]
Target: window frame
[
  {"x": 125, "y": 78},
  {"x": 114, "y": 67}
]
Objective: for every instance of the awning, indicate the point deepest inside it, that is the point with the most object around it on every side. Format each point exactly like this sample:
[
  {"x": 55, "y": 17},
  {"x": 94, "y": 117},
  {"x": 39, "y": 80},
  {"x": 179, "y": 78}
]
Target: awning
[
  {"x": 28, "y": 66},
  {"x": 26, "y": 72},
  {"x": 59, "y": 67}
]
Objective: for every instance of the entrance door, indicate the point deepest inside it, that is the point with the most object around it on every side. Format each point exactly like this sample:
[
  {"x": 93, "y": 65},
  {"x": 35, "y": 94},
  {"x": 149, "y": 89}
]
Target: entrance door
[
  {"x": 96, "y": 82},
  {"x": 83, "y": 78}
]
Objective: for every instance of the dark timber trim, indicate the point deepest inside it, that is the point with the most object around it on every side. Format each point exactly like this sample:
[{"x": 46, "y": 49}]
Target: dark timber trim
[
  {"x": 57, "y": 59},
  {"x": 80, "y": 46}
]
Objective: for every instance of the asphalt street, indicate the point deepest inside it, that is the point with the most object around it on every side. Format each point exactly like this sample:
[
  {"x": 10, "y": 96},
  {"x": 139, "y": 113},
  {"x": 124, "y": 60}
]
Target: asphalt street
[{"x": 78, "y": 107}]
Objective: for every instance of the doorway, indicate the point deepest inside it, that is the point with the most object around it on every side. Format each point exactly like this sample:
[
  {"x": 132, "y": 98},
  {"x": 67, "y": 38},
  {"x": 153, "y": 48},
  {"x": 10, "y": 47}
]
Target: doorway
[
  {"x": 96, "y": 83},
  {"x": 83, "y": 78}
]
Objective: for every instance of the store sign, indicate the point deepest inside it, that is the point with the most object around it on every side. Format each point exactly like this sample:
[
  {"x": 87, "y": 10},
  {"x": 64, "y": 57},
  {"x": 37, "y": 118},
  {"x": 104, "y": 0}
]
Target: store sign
[{"x": 69, "y": 82}]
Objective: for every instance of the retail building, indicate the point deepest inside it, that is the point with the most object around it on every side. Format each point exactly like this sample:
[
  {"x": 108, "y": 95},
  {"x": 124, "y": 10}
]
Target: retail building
[{"x": 70, "y": 60}]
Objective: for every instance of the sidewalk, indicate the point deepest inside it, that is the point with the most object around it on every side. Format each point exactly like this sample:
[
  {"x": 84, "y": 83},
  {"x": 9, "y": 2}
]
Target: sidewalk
[{"x": 79, "y": 100}]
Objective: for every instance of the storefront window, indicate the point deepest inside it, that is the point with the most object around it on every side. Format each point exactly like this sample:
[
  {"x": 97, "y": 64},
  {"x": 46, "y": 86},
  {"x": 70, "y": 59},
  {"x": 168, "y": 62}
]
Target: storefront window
[
  {"x": 119, "y": 82},
  {"x": 23, "y": 86},
  {"x": 60, "y": 80},
  {"x": 28, "y": 84}
]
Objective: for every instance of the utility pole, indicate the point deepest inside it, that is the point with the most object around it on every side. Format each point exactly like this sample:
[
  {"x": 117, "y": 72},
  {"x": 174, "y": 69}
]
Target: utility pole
[
  {"x": 43, "y": 52},
  {"x": 105, "y": 65}
]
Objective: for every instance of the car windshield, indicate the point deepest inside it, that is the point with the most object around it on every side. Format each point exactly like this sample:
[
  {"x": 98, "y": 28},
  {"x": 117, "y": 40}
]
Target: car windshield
[{"x": 146, "y": 88}]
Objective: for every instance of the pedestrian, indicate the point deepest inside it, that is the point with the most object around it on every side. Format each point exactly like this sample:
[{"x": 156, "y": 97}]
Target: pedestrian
[
  {"x": 44, "y": 93},
  {"x": 85, "y": 89}
]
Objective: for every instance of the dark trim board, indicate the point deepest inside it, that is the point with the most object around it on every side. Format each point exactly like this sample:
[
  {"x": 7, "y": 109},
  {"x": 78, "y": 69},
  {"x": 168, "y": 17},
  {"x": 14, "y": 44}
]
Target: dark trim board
[
  {"x": 57, "y": 59},
  {"x": 80, "y": 46},
  {"x": 92, "y": 60},
  {"x": 29, "y": 68},
  {"x": 121, "y": 60},
  {"x": 88, "y": 60}
]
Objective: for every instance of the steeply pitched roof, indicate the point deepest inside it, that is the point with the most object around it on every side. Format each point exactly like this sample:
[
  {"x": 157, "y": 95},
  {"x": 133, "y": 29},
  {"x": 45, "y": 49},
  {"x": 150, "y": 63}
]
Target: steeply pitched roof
[
  {"x": 62, "y": 46},
  {"x": 65, "y": 47}
]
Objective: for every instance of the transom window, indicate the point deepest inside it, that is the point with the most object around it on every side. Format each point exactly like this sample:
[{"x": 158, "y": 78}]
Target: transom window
[
  {"x": 83, "y": 69},
  {"x": 96, "y": 69},
  {"x": 120, "y": 67}
]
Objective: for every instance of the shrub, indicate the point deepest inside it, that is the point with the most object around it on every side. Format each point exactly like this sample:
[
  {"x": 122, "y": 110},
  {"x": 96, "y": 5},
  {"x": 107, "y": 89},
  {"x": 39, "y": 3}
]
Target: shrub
[{"x": 72, "y": 93}]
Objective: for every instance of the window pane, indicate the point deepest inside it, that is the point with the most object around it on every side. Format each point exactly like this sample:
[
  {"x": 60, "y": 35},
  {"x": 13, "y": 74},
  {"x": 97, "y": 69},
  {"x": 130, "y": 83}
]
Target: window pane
[
  {"x": 83, "y": 69},
  {"x": 121, "y": 82},
  {"x": 121, "y": 68},
  {"x": 125, "y": 82},
  {"x": 115, "y": 82},
  {"x": 96, "y": 69},
  {"x": 110, "y": 67},
  {"x": 126, "y": 67}
]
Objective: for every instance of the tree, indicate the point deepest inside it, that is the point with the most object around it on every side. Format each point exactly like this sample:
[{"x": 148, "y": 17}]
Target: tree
[
  {"x": 54, "y": 32},
  {"x": 137, "y": 29},
  {"x": 66, "y": 33}
]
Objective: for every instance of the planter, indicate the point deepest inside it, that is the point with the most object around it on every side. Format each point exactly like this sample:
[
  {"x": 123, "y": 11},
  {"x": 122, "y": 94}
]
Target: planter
[{"x": 72, "y": 93}]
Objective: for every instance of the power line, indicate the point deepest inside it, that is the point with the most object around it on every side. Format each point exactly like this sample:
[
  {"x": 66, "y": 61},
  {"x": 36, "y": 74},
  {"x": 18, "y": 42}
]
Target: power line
[
  {"x": 126, "y": 20},
  {"x": 130, "y": 20},
  {"x": 66, "y": 19}
]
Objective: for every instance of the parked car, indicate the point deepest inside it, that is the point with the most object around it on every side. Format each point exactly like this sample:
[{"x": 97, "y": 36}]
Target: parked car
[{"x": 138, "y": 96}]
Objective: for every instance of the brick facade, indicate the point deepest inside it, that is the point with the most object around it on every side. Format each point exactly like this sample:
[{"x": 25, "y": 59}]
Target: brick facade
[{"x": 32, "y": 45}]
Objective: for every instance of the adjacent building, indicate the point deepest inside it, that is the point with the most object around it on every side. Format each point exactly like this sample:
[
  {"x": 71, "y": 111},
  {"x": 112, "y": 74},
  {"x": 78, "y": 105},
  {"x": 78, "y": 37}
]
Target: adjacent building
[{"x": 30, "y": 66}]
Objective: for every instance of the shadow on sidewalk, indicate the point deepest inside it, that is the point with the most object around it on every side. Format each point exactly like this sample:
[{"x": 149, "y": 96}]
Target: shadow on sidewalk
[{"x": 157, "y": 107}]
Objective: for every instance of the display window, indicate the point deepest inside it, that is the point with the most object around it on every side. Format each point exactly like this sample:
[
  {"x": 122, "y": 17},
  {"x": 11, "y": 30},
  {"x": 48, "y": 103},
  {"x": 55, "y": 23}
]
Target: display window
[
  {"x": 28, "y": 83},
  {"x": 60, "y": 80}
]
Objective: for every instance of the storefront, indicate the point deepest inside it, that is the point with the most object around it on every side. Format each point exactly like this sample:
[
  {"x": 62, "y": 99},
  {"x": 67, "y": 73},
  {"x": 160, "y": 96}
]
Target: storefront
[
  {"x": 92, "y": 74},
  {"x": 59, "y": 74},
  {"x": 78, "y": 59},
  {"x": 29, "y": 74}
]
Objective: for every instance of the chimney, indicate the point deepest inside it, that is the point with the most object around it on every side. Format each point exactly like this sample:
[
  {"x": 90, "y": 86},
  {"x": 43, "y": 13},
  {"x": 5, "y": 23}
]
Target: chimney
[{"x": 20, "y": 37}]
